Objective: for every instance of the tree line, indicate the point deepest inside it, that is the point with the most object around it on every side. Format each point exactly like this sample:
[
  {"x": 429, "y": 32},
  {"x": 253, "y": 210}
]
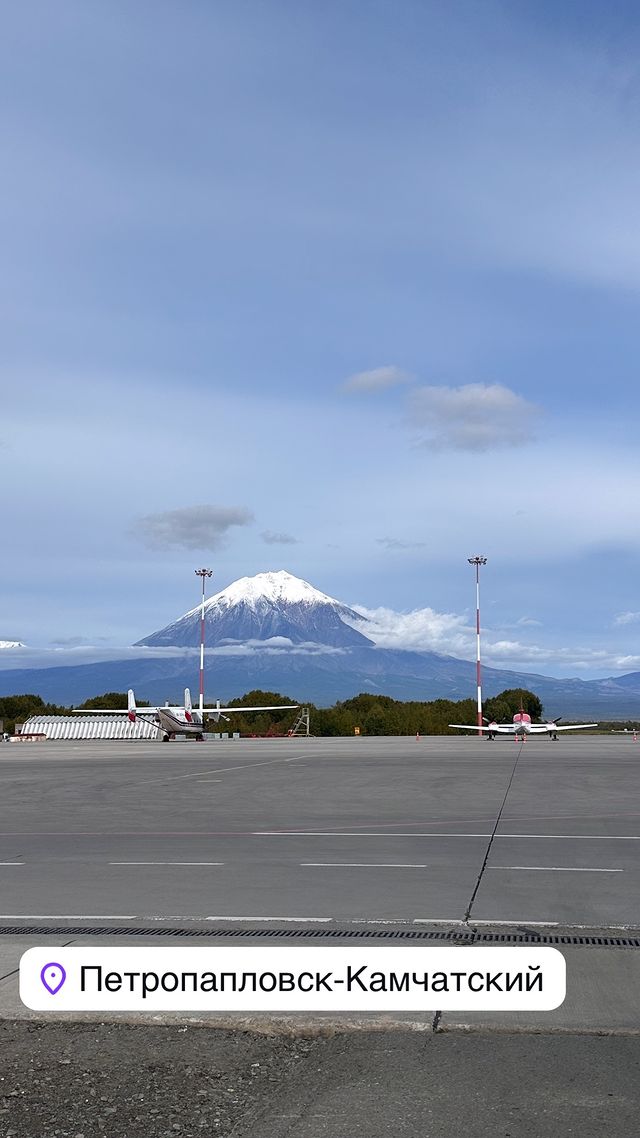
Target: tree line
[
  {"x": 372, "y": 714},
  {"x": 380, "y": 714}
]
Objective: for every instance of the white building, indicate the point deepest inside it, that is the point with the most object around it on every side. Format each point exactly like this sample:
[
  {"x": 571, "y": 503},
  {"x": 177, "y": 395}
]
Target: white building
[{"x": 89, "y": 727}]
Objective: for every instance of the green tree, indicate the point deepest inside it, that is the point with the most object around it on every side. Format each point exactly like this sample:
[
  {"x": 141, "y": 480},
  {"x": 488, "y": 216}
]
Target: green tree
[
  {"x": 259, "y": 722},
  {"x": 17, "y": 708},
  {"x": 503, "y": 707}
]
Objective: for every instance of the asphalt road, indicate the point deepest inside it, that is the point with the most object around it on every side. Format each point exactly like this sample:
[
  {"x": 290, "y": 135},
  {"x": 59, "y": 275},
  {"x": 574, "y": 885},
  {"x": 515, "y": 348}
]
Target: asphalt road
[{"x": 348, "y": 829}]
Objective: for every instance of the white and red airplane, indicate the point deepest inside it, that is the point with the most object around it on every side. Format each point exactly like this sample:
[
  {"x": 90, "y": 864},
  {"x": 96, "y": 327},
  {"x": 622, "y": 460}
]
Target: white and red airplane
[
  {"x": 172, "y": 721},
  {"x": 522, "y": 726}
]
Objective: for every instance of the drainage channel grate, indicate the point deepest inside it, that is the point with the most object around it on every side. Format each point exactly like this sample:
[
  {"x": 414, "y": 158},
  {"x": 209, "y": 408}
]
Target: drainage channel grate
[{"x": 452, "y": 936}]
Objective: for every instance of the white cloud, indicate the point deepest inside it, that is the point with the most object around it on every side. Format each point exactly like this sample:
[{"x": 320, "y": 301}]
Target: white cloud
[
  {"x": 275, "y": 646},
  {"x": 419, "y": 630},
  {"x": 627, "y": 618},
  {"x": 475, "y": 417},
  {"x": 628, "y": 663},
  {"x": 378, "y": 379},
  {"x": 425, "y": 630},
  {"x": 192, "y": 527}
]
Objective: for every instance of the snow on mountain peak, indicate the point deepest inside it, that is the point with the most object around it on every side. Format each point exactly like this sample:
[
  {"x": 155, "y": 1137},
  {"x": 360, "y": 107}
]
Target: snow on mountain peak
[
  {"x": 275, "y": 587},
  {"x": 274, "y": 604},
  {"x": 12, "y": 644}
]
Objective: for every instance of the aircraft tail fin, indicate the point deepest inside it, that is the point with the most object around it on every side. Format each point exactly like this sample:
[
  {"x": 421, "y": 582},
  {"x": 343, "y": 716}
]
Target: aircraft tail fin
[
  {"x": 131, "y": 706},
  {"x": 187, "y": 705}
]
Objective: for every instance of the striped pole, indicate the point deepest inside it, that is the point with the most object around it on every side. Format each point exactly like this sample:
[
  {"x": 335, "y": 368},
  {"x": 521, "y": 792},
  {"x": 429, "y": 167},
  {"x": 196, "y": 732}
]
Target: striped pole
[
  {"x": 203, "y": 573},
  {"x": 477, "y": 562}
]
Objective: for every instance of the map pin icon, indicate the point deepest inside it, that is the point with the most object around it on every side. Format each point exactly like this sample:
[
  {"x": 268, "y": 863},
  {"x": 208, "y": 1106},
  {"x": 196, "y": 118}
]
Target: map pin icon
[{"x": 53, "y": 977}]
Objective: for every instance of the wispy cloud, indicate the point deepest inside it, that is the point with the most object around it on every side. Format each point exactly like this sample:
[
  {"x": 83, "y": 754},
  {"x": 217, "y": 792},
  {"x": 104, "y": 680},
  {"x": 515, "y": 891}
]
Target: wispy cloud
[
  {"x": 275, "y": 646},
  {"x": 192, "y": 527},
  {"x": 475, "y": 417},
  {"x": 21, "y": 658},
  {"x": 83, "y": 654},
  {"x": 395, "y": 543},
  {"x": 378, "y": 379},
  {"x": 627, "y": 618},
  {"x": 272, "y": 538},
  {"x": 77, "y": 641}
]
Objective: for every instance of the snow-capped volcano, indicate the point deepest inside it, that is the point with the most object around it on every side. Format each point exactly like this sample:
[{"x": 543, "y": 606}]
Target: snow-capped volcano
[{"x": 274, "y": 604}]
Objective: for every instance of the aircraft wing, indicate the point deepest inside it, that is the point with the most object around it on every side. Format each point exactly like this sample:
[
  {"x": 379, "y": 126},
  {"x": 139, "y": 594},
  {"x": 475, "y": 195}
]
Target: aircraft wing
[
  {"x": 227, "y": 710},
  {"x": 112, "y": 710},
  {"x": 574, "y": 727},
  {"x": 471, "y": 727}
]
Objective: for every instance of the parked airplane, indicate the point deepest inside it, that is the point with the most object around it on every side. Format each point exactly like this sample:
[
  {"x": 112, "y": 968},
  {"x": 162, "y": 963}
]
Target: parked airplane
[
  {"x": 172, "y": 721},
  {"x": 522, "y": 726}
]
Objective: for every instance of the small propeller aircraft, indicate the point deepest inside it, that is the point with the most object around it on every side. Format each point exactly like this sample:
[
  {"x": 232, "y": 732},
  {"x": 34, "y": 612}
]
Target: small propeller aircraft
[
  {"x": 172, "y": 721},
  {"x": 521, "y": 726}
]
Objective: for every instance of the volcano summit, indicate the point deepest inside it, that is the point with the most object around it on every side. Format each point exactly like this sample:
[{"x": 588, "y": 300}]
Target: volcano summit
[{"x": 263, "y": 607}]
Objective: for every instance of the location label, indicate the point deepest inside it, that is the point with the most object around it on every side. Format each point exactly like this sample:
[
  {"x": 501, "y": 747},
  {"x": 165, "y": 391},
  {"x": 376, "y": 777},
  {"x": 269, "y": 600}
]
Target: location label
[{"x": 53, "y": 977}]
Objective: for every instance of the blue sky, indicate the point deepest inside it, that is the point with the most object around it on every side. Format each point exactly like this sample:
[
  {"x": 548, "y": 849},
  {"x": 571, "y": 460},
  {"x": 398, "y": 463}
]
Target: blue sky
[{"x": 215, "y": 215}]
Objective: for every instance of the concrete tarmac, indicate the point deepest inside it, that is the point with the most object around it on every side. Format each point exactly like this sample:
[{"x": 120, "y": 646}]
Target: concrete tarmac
[
  {"x": 345, "y": 829},
  {"x": 347, "y": 837}
]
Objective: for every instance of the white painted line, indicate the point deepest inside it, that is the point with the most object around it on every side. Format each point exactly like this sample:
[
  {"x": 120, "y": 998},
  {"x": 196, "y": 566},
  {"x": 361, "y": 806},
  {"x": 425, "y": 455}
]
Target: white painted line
[
  {"x": 336, "y": 834},
  {"x": 11, "y": 863},
  {"x": 362, "y": 865},
  {"x": 556, "y": 868},
  {"x": 70, "y": 917},
  {"x": 400, "y": 921},
  {"x": 568, "y": 928},
  {"x": 340, "y": 834},
  {"x": 578, "y": 837},
  {"x": 166, "y": 863},
  {"x": 286, "y": 920}
]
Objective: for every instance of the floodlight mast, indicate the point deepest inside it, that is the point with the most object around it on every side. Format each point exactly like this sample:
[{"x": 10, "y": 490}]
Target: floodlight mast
[
  {"x": 477, "y": 562},
  {"x": 203, "y": 573}
]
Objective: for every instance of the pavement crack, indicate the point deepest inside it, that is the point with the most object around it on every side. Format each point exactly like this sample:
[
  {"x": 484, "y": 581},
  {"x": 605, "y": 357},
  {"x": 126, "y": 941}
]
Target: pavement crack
[
  {"x": 435, "y": 1025},
  {"x": 490, "y": 842},
  {"x": 15, "y": 971}
]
